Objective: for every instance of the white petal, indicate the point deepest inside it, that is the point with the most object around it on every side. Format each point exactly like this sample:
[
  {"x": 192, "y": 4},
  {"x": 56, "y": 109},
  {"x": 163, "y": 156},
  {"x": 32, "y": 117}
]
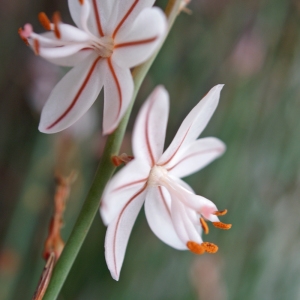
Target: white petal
[
  {"x": 124, "y": 14},
  {"x": 73, "y": 95},
  {"x": 158, "y": 213},
  {"x": 118, "y": 91},
  {"x": 122, "y": 187},
  {"x": 189, "y": 199},
  {"x": 72, "y": 60},
  {"x": 60, "y": 52},
  {"x": 70, "y": 33},
  {"x": 107, "y": 14},
  {"x": 150, "y": 127},
  {"x": 138, "y": 44},
  {"x": 184, "y": 226},
  {"x": 118, "y": 233},
  {"x": 46, "y": 39},
  {"x": 75, "y": 11},
  {"x": 196, "y": 156},
  {"x": 183, "y": 184},
  {"x": 193, "y": 124},
  {"x": 84, "y": 15},
  {"x": 49, "y": 41}
]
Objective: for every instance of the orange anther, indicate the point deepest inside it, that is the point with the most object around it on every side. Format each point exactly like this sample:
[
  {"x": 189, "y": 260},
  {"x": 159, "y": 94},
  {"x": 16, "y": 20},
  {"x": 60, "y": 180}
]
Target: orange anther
[
  {"x": 210, "y": 247},
  {"x": 36, "y": 47},
  {"x": 204, "y": 226},
  {"x": 195, "y": 247},
  {"x": 222, "y": 225},
  {"x": 24, "y": 39},
  {"x": 81, "y": 2},
  {"x": 45, "y": 22},
  {"x": 56, "y": 20},
  {"x": 220, "y": 212}
]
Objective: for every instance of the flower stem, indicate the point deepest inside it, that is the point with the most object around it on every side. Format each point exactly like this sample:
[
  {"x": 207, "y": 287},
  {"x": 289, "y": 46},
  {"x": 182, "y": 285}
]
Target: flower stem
[{"x": 103, "y": 174}]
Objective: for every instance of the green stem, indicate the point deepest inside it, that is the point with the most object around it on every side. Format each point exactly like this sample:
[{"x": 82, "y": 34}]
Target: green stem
[{"x": 103, "y": 174}]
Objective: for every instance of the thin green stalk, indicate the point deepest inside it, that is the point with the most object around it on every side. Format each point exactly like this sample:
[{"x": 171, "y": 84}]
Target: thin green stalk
[{"x": 103, "y": 174}]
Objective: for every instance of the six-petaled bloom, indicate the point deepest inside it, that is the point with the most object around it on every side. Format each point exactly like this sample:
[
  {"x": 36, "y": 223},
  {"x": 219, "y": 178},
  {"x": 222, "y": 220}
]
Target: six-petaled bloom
[
  {"x": 174, "y": 212},
  {"x": 112, "y": 37}
]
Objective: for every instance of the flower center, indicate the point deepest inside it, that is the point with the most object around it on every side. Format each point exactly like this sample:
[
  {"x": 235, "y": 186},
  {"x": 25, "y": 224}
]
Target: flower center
[
  {"x": 104, "y": 46},
  {"x": 157, "y": 175}
]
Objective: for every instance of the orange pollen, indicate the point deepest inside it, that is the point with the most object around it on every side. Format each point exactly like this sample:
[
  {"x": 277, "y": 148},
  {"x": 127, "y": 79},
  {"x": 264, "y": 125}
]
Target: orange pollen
[
  {"x": 45, "y": 22},
  {"x": 81, "y": 2},
  {"x": 36, "y": 47},
  {"x": 220, "y": 212},
  {"x": 195, "y": 247},
  {"x": 210, "y": 247},
  {"x": 222, "y": 225},
  {"x": 204, "y": 226},
  {"x": 56, "y": 20},
  {"x": 25, "y": 40}
]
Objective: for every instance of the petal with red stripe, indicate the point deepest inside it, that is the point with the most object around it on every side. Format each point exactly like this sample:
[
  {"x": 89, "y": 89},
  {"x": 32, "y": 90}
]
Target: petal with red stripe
[
  {"x": 193, "y": 124},
  {"x": 158, "y": 213},
  {"x": 196, "y": 156},
  {"x": 122, "y": 187},
  {"x": 138, "y": 44},
  {"x": 73, "y": 95},
  {"x": 118, "y": 233},
  {"x": 118, "y": 91},
  {"x": 150, "y": 127}
]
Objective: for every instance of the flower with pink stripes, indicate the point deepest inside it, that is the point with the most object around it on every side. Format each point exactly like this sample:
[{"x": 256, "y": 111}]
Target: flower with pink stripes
[
  {"x": 174, "y": 212},
  {"x": 112, "y": 37}
]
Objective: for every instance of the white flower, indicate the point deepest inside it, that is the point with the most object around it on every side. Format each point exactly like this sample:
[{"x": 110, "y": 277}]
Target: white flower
[
  {"x": 112, "y": 37},
  {"x": 172, "y": 208}
]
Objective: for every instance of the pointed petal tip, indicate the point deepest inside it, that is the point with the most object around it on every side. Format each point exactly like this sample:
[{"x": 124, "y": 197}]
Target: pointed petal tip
[
  {"x": 160, "y": 92},
  {"x": 45, "y": 128},
  {"x": 114, "y": 276},
  {"x": 161, "y": 88},
  {"x": 222, "y": 146},
  {"x": 218, "y": 87}
]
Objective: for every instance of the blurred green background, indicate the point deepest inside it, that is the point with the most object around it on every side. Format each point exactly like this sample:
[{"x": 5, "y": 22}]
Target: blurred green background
[{"x": 251, "y": 46}]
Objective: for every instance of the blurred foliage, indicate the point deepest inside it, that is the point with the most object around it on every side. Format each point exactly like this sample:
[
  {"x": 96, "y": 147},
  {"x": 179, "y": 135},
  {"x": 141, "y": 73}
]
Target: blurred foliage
[{"x": 253, "y": 47}]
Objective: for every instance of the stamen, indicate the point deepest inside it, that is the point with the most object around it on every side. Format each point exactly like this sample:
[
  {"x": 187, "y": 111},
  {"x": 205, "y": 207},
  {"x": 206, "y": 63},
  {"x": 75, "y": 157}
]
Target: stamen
[
  {"x": 221, "y": 225},
  {"x": 210, "y": 247},
  {"x": 81, "y": 2},
  {"x": 24, "y": 39},
  {"x": 36, "y": 47},
  {"x": 123, "y": 158},
  {"x": 56, "y": 20},
  {"x": 45, "y": 22},
  {"x": 195, "y": 247},
  {"x": 204, "y": 226},
  {"x": 220, "y": 212}
]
